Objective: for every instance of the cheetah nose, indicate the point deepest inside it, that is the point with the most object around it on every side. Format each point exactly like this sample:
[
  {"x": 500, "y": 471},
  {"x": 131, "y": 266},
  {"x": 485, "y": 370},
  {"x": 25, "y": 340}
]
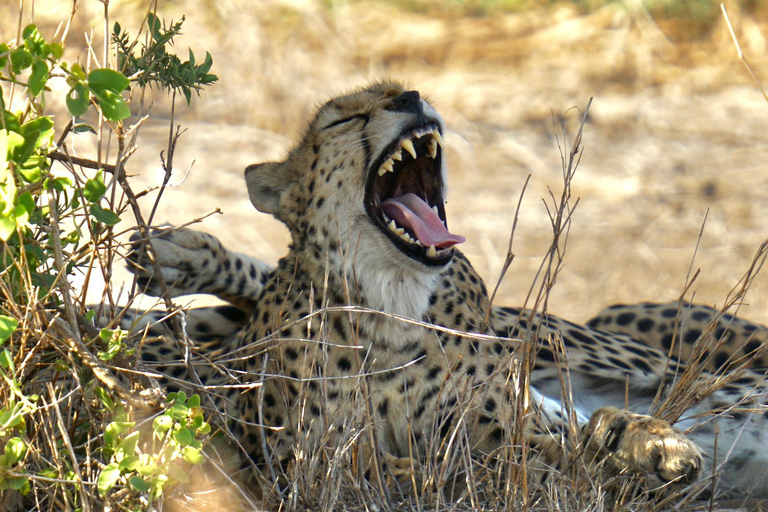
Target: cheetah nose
[{"x": 409, "y": 102}]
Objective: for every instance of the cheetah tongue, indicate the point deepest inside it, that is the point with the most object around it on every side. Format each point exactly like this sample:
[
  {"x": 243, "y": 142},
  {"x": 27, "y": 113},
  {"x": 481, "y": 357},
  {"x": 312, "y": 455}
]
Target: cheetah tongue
[{"x": 410, "y": 211}]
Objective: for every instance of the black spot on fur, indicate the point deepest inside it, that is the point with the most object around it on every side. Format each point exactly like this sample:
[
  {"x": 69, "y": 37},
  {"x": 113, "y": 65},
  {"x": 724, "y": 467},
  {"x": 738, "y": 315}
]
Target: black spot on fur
[
  {"x": 343, "y": 364},
  {"x": 383, "y": 407},
  {"x": 666, "y": 341},
  {"x": 625, "y": 318},
  {"x": 645, "y": 324},
  {"x": 639, "y": 363},
  {"x": 669, "y": 313},
  {"x": 291, "y": 353},
  {"x": 545, "y": 354},
  {"x": 691, "y": 336},
  {"x": 700, "y": 316}
]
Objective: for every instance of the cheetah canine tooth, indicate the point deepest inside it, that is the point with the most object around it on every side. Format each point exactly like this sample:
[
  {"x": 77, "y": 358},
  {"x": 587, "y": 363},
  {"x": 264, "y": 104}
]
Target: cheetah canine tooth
[
  {"x": 431, "y": 252},
  {"x": 439, "y": 138},
  {"x": 407, "y": 144}
]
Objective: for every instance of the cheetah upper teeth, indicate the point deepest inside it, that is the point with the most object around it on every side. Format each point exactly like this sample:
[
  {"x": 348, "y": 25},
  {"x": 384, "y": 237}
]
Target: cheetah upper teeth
[
  {"x": 439, "y": 138},
  {"x": 432, "y": 148},
  {"x": 388, "y": 166},
  {"x": 407, "y": 145},
  {"x": 398, "y": 155}
]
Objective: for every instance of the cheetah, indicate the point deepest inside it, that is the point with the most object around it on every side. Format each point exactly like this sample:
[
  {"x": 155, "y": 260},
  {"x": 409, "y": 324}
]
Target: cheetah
[{"x": 375, "y": 309}]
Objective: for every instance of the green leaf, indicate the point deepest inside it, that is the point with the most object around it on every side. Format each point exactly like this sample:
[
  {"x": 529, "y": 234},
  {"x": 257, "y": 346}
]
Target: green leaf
[
  {"x": 139, "y": 484},
  {"x": 128, "y": 444},
  {"x": 44, "y": 128},
  {"x": 108, "y": 478},
  {"x": 77, "y": 100},
  {"x": 114, "y": 429},
  {"x": 162, "y": 423},
  {"x": 3, "y": 155},
  {"x": 106, "y": 335},
  {"x": 38, "y": 78},
  {"x": 193, "y": 401},
  {"x": 12, "y": 123},
  {"x": 184, "y": 436},
  {"x": 4, "y": 50},
  {"x": 83, "y": 127},
  {"x": 57, "y": 50},
  {"x": 7, "y": 226},
  {"x": 77, "y": 71},
  {"x": 6, "y": 360},
  {"x": 104, "y": 216},
  {"x": 48, "y": 473},
  {"x": 113, "y": 106},
  {"x": 154, "y": 26},
  {"x": 27, "y": 201},
  {"x": 129, "y": 463},
  {"x": 102, "y": 393},
  {"x": 19, "y": 483},
  {"x": 104, "y": 79},
  {"x": 14, "y": 450},
  {"x": 20, "y": 59},
  {"x": 7, "y": 327},
  {"x": 192, "y": 455},
  {"x": 95, "y": 188}
]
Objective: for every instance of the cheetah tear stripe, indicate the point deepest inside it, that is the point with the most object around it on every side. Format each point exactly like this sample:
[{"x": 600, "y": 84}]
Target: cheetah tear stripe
[{"x": 410, "y": 211}]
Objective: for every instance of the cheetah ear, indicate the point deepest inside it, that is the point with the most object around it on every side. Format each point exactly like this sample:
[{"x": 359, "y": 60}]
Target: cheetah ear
[{"x": 266, "y": 183}]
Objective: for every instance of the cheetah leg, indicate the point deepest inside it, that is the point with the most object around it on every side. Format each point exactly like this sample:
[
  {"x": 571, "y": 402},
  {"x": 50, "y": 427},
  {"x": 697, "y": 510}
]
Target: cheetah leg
[{"x": 195, "y": 262}]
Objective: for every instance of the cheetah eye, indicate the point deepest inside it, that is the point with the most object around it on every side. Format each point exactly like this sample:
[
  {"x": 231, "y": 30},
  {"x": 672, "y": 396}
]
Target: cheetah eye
[{"x": 334, "y": 124}]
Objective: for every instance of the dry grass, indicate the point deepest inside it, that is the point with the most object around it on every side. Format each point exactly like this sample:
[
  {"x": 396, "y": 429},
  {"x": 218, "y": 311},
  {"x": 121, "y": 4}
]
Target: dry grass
[{"x": 675, "y": 129}]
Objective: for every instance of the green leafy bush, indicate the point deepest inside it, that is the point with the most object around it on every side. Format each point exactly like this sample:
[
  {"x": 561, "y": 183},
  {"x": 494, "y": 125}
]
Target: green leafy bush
[{"x": 67, "y": 437}]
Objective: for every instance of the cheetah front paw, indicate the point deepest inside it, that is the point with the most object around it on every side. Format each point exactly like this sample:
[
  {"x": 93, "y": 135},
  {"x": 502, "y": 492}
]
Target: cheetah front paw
[
  {"x": 642, "y": 444},
  {"x": 188, "y": 260},
  {"x": 195, "y": 262}
]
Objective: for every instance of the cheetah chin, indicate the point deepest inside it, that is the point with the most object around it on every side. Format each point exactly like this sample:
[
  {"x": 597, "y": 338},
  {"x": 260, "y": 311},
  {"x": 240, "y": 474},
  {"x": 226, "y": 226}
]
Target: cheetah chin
[{"x": 404, "y": 196}]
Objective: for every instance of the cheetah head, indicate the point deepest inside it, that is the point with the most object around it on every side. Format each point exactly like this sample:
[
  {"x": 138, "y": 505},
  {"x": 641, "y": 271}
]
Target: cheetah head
[{"x": 369, "y": 173}]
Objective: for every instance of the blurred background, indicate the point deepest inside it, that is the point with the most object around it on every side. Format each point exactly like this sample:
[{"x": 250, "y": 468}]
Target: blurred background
[{"x": 677, "y": 127}]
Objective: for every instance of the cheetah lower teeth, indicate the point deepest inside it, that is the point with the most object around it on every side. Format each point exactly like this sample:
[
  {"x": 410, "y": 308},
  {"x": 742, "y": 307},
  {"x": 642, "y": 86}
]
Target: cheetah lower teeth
[
  {"x": 407, "y": 145},
  {"x": 396, "y": 230},
  {"x": 431, "y": 252}
]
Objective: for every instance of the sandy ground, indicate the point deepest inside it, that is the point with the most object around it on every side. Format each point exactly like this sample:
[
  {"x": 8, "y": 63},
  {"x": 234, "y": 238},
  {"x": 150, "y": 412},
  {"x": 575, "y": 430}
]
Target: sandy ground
[{"x": 676, "y": 130}]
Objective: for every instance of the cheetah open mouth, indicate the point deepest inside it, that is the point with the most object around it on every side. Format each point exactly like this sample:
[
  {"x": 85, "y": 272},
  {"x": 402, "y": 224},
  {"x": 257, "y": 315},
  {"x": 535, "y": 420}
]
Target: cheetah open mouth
[{"x": 404, "y": 196}]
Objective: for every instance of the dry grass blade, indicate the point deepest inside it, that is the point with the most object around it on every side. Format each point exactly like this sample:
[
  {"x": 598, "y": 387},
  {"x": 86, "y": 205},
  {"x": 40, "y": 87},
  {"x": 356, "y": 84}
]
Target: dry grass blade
[{"x": 742, "y": 58}]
